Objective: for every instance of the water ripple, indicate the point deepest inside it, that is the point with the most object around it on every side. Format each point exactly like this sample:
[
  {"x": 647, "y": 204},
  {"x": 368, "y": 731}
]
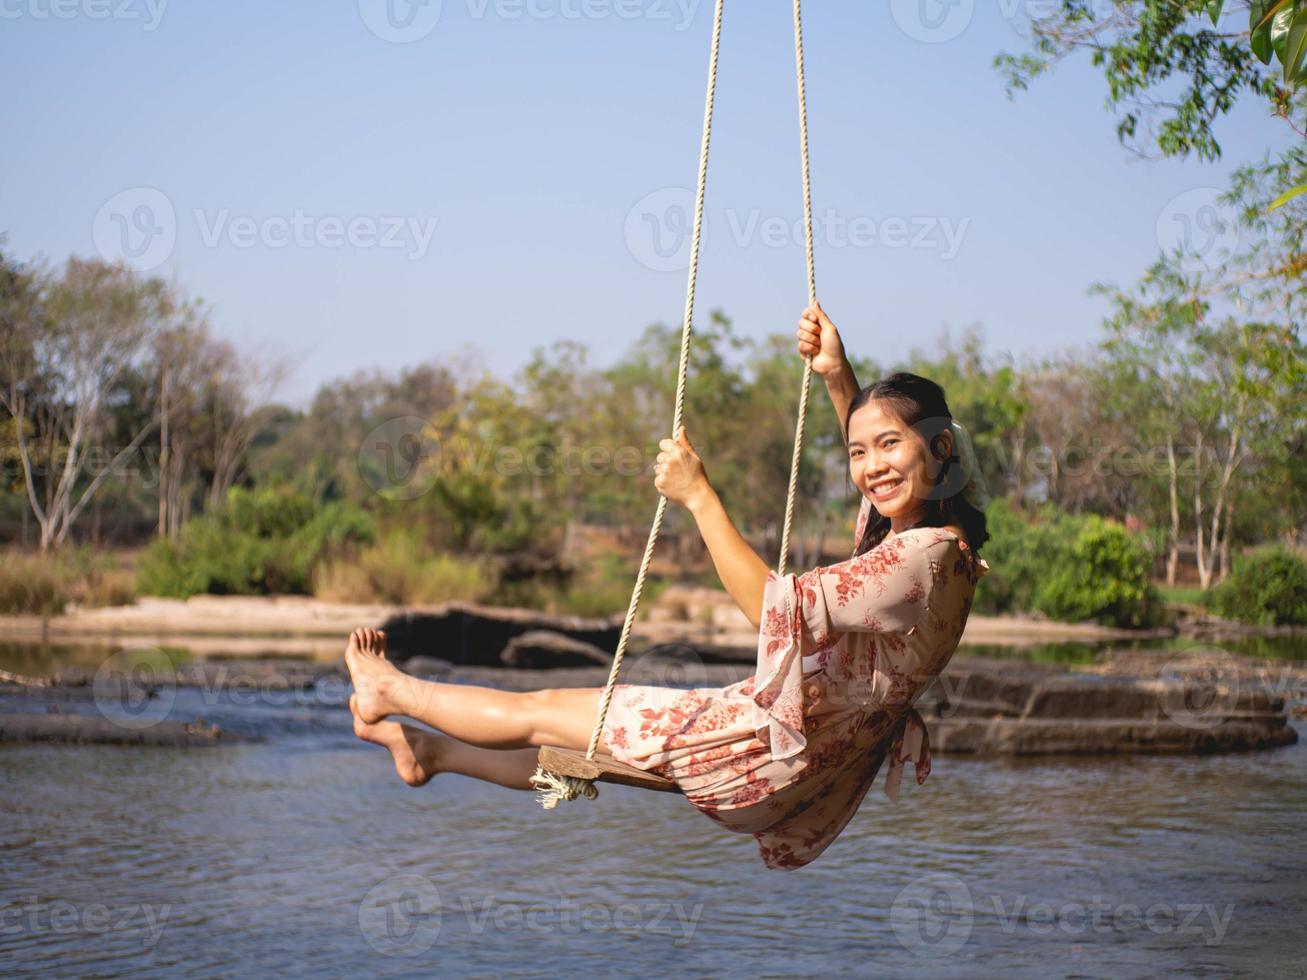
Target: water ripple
[{"x": 303, "y": 855}]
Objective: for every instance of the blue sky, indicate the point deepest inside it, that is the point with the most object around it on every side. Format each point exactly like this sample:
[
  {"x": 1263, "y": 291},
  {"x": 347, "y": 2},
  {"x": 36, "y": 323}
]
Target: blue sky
[{"x": 352, "y": 185}]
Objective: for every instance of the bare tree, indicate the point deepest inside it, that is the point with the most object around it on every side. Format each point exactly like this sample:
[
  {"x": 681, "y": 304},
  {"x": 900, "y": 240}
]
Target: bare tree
[
  {"x": 1237, "y": 404},
  {"x": 236, "y": 386},
  {"x": 65, "y": 343},
  {"x": 178, "y": 356}
]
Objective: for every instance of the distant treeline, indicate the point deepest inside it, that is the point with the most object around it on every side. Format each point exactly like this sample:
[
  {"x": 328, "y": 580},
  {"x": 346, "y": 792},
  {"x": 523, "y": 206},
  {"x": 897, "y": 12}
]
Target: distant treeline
[{"x": 117, "y": 401}]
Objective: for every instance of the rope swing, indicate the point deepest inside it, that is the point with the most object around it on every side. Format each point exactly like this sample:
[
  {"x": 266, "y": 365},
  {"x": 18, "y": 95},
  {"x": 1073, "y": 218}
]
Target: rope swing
[{"x": 562, "y": 774}]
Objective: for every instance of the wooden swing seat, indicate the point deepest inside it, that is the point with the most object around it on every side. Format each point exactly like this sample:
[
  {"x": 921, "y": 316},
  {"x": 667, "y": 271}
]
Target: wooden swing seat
[{"x": 603, "y": 768}]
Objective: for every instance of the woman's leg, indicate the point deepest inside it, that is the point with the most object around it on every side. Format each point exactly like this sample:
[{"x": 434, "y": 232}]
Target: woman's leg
[
  {"x": 420, "y": 755},
  {"x": 480, "y": 716}
]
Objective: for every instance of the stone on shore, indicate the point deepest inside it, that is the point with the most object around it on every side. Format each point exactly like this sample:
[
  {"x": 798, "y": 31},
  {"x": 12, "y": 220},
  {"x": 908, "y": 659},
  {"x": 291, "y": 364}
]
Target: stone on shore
[
  {"x": 421, "y": 666},
  {"x": 544, "y": 649}
]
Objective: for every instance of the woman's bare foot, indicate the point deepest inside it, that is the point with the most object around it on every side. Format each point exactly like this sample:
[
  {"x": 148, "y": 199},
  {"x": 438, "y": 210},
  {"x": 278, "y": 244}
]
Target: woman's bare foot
[
  {"x": 374, "y": 677},
  {"x": 416, "y": 753}
]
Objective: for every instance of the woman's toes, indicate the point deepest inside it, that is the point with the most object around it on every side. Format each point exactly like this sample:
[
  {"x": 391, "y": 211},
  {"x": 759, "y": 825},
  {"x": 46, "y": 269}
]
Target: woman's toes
[{"x": 373, "y": 677}]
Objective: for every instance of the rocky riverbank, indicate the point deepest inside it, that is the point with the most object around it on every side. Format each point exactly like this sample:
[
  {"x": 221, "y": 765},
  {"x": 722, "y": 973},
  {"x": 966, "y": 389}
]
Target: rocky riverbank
[
  {"x": 1125, "y": 701},
  {"x": 1128, "y": 702}
]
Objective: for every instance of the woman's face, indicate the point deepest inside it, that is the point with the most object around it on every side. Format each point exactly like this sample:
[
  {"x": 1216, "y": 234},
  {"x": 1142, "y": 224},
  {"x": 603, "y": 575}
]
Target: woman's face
[{"x": 889, "y": 462}]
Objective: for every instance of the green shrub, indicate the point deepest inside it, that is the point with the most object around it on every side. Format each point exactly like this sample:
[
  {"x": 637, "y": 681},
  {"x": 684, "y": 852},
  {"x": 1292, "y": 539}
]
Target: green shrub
[
  {"x": 602, "y": 587},
  {"x": 1068, "y": 567},
  {"x": 1014, "y": 568},
  {"x": 258, "y": 542},
  {"x": 597, "y": 598},
  {"x": 1267, "y": 586},
  {"x": 1184, "y": 595},
  {"x": 527, "y": 593},
  {"x": 1100, "y": 573}
]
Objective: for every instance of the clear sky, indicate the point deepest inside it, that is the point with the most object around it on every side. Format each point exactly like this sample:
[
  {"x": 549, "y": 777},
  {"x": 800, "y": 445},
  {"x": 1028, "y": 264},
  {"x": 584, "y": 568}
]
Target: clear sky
[{"x": 367, "y": 183}]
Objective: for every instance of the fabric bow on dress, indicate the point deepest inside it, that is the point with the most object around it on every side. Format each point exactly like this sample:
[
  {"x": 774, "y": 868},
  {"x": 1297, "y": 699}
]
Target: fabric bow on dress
[{"x": 911, "y": 743}]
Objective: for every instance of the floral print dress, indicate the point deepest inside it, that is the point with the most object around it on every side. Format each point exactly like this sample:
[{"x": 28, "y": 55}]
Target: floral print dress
[{"x": 843, "y": 653}]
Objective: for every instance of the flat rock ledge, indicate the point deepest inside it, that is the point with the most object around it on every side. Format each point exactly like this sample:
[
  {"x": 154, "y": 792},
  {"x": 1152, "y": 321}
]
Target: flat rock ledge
[
  {"x": 1167, "y": 704},
  {"x": 78, "y": 729}
]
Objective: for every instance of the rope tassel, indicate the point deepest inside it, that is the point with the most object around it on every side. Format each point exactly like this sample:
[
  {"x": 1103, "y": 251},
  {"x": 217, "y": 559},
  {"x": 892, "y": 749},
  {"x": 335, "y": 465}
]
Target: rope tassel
[{"x": 554, "y": 788}]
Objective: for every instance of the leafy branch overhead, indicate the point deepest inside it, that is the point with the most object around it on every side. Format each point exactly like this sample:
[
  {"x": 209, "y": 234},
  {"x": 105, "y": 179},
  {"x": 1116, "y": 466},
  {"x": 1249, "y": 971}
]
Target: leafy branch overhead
[
  {"x": 1279, "y": 28},
  {"x": 1174, "y": 67}
]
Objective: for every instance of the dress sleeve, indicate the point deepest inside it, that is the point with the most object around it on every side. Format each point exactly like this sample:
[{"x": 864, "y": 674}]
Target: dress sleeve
[
  {"x": 885, "y": 590},
  {"x": 778, "y": 684}
]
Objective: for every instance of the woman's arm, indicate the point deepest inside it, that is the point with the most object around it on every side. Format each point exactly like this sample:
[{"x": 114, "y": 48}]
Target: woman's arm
[
  {"x": 742, "y": 571},
  {"x": 680, "y": 477},
  {"x": 818, "y": 337},
  {"x": 842, "y": 386}
]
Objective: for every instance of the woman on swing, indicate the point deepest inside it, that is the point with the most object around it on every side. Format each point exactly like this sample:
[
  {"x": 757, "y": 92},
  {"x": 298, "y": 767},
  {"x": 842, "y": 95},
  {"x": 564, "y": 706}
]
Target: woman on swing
[{"x": 843, "y": 650}]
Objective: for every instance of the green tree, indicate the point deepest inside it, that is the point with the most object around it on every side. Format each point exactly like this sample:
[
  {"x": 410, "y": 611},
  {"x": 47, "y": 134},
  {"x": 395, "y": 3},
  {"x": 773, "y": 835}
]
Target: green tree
[
  {"x": 1215, "y": 391},
  {"x": 1172, "y": 67}
]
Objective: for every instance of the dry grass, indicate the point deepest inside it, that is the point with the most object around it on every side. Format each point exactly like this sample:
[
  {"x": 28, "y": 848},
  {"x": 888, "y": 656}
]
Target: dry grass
[
  {"x": 396, "y": 570},
  {"x": 39, "y": 584}
]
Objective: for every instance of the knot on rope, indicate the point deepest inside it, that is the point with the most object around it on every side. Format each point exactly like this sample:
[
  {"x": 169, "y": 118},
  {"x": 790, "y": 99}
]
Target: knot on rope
[{"x": 554, "y": 788}]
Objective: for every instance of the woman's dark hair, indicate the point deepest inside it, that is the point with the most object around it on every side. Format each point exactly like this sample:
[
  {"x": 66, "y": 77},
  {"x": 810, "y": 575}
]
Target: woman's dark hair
[{"x": 920, "y": 403}]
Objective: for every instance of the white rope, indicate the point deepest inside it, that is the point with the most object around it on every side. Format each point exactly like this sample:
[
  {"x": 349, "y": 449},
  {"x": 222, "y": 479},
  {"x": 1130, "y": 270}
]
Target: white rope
[
  {"x": 552, "y": 786},
  {"x": 812, "y": 287}
]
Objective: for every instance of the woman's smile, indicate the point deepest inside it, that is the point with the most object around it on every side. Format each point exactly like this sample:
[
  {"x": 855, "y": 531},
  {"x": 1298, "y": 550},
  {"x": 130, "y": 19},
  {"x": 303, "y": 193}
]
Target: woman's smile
[{"x": 886, "y": 488}]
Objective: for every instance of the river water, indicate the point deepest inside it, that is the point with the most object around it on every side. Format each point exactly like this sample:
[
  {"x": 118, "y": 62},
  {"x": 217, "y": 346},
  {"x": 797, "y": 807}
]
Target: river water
[{"x": 303, "y": 855}]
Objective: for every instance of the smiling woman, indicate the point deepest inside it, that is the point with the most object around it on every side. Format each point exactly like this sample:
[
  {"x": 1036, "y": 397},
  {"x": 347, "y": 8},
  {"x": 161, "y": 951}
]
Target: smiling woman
[
  {"x": 844, "y": 651},
  {"x": 788, "y": 754},
  {"x": 913, "y": 461}
]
